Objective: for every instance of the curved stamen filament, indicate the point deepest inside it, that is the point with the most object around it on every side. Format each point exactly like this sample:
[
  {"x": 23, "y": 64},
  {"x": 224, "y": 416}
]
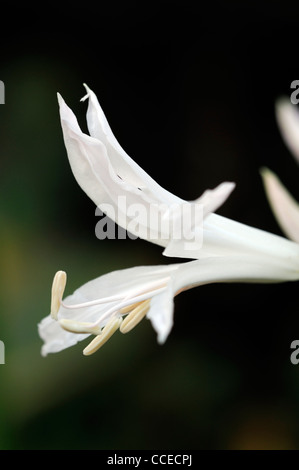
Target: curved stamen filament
[
  {"x": 133, "y": 293},
  {"x": 92, "y": 327},
  {"x": 103, "y": 300},
  {"x": 105, "y": 334},
  {"x": 135, "y": 317},
  {"x": 126, "y": 302}
]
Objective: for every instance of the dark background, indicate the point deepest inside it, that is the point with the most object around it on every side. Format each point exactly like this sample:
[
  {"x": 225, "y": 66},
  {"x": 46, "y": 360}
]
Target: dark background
[{"x": 189, "y": 91}]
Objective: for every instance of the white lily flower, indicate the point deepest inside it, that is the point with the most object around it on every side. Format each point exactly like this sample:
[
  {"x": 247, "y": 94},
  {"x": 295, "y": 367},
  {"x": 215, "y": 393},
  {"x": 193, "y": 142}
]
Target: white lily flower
[
  {"x": 128, "y": 295},
  {"x": 283, "y": 205},
  {"x": 231, "y": 252}
]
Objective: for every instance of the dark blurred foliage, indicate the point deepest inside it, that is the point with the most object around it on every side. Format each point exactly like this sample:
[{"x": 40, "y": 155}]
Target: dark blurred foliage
[{"x": 189, "y": 90}]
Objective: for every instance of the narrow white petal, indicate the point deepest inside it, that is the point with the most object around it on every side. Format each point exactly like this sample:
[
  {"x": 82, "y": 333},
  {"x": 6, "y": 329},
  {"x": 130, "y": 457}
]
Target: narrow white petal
[
  {"x": 107, "y": 175},
  {"x": 78, "y": 157},
  {"x": 96, "y": 176},
  {"x": 223, "y": 237},
  {"x": 129, "y": 170},
  {"x": 287, "y": 116},
  {"x": 161, "y": 313},
  {"x": 122, "y": 163},
  {"x": 212, "y": 199},
  {"x": 284, "y": 206}
]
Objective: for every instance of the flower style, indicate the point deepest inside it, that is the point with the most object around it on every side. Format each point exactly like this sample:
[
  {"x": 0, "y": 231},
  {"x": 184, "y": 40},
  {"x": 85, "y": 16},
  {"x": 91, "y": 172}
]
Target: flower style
[
  {"x": 284, "y": 206},
  {"x": 229, "y": 252}
]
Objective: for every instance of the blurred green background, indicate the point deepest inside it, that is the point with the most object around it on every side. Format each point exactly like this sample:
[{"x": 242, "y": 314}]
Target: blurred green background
[{"x": 190, "y": 95}]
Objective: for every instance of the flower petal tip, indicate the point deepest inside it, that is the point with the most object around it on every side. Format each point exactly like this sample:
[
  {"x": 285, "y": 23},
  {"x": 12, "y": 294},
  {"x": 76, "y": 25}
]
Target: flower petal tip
[
  {"x": 281, "y": 102},
  {"x": 269, "y": 179},
  {"x": 283, "y": 111},
  {"x": 85, "y": 97},
  {"x": 264, "y": 172},
  {"x": 60, "y": 99},
  {"x": 230, "y": 186}
]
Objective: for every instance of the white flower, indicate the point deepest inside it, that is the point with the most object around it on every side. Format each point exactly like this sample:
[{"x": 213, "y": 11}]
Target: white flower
[
  {"x": 99, "y": 306},
  {"x": 231, "y": 252},
  {"x": 284, "y": 206}
]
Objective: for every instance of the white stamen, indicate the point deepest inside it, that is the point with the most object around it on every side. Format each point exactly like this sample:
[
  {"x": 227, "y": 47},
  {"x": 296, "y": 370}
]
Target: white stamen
[
  {"x": 101, "y": 339},
  {"x": 58, "y": 286}
]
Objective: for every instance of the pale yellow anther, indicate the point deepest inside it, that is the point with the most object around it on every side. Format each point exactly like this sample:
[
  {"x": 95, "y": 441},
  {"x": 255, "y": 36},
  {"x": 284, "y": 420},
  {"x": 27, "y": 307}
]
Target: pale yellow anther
[
  {"x": 79, "y": 326},
  {"x": 135, "y": 316},
  {"x": 58, "y": 286},
  {"x": 101, "y": 339}
]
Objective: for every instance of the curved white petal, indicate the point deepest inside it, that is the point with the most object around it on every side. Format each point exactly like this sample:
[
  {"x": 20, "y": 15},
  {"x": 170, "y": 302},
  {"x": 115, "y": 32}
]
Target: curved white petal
[
  {"x": 211, "y": 200},
  {"x": 287, "y": 116},
  {"x": 284, "y": 206},
  {"x": 119, "y": 187},
  {"x": 94, "y": 173},
  {"x": 224, "y": 237},
  {"x": 122, "y": 163}
]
